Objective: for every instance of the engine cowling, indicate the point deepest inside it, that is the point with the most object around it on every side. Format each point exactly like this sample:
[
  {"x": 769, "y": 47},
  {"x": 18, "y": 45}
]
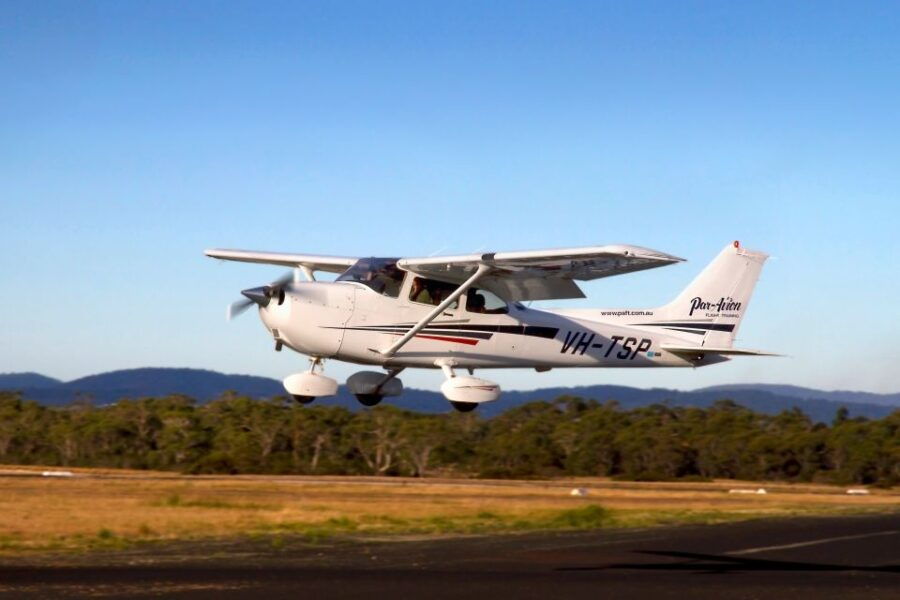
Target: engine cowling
[
  {"x": 470, "y": 390},
  {"x": 310, "y": 385}
]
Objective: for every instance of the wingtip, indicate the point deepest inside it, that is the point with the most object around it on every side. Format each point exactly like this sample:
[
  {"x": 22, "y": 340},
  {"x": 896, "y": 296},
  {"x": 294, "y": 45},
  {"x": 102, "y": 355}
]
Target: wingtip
[
  {"x": 643, "y": 252},
  {"x": 666, "y": 257}
]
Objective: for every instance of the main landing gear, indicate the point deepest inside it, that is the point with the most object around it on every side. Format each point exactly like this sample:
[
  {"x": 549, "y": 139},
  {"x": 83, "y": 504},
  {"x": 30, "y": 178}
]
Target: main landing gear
[
  {"x": 370, "y": 387},
  {"x": 466, "y": 392}
]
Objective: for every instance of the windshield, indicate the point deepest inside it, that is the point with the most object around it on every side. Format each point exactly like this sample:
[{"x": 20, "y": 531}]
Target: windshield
[{"x": 380, "y": 274}]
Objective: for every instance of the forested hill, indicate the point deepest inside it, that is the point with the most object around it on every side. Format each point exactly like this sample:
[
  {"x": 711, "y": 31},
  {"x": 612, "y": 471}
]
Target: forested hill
[
  {"x": 106, "y": 388},
  {"x": 205, "y": 385},
  {"x": 761, "y": 401},
  {"x": 18, "y": 381},
  {"x": 794, "y": 391}
]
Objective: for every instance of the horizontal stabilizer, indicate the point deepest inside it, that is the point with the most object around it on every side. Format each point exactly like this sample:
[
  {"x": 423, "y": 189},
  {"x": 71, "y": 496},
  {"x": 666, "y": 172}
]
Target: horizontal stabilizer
[{"x": 676, "y": 349}]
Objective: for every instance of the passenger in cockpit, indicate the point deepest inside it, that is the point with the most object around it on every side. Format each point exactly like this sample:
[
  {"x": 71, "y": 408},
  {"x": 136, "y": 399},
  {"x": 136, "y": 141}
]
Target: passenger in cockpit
[{"x": 420, "y": 292}]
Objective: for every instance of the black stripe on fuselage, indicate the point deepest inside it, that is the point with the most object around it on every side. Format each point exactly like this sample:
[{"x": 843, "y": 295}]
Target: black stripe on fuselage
[
  {"x": 482, "y": 332},
  {"x": 694, "y": 331},
  {"x": 529, "y": 330},
  {"x": 476, "y": 335},
  {"x": 693, "y": 326}
]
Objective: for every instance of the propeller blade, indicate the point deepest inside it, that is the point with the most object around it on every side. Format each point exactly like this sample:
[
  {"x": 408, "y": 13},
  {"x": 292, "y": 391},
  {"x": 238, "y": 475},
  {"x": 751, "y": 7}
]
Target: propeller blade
[
  {"x": 237, "y": 307},
  {"x": 287, "y": 277},
  {"x": 258, "y": 296}
]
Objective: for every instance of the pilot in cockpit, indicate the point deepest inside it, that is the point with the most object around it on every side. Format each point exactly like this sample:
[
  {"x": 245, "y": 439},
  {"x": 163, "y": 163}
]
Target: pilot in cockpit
[
  {"x": 475, "y": 303},
  {"x": 392, "y": 278}
]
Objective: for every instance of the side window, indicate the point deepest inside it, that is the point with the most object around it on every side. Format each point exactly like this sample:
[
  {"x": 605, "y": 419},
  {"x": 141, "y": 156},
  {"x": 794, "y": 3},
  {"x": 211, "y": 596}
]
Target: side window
[
  {"x": 485, "y": 302},
  {"x": 430, "y": 291}
]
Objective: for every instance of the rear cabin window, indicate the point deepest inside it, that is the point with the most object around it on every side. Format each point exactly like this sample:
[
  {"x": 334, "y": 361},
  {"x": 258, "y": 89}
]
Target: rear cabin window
[
  {"x": 431, "y": 291},
  {"x": 485, "y": 302},
  {"x": 380, "y": 274}
]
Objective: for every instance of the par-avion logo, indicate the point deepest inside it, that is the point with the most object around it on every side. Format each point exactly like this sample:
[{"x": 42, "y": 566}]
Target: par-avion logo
[{"x": 724, "y": 304}]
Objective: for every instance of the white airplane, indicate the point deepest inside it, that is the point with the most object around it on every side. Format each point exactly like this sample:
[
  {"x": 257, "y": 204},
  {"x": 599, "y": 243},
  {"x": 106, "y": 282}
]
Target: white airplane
[{"x": 465, "y": 313}]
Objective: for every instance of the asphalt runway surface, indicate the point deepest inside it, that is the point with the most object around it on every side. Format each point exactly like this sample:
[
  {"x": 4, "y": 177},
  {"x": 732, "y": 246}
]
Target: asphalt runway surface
[{"x": 808, "y": 558}]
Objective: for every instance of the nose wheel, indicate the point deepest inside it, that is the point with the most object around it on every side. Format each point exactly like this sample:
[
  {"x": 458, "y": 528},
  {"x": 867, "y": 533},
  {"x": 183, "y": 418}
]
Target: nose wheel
[{"x": 306, "y": 387}]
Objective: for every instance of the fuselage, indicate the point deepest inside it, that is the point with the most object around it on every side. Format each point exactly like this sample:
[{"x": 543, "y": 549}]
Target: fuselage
[{"x": 352, "y": 322}]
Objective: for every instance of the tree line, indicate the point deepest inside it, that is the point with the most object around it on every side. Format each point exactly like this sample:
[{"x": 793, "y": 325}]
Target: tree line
[{"x": 568, "y": 436}]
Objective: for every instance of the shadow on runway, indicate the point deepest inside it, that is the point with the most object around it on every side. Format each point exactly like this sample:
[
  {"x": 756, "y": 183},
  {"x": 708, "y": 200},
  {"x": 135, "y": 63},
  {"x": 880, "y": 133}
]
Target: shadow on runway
[{"x": 723, "y": 563}]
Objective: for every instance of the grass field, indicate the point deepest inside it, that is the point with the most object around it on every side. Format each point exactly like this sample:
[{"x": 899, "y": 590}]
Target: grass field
[{"x": 96, "y": 509}]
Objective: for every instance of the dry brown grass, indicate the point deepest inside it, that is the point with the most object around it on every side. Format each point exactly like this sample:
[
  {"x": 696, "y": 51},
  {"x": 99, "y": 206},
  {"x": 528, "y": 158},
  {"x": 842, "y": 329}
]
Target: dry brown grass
[{"x": 113, "y": 508}]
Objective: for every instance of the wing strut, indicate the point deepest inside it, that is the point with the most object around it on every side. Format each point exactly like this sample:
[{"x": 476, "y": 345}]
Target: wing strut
[{"x": 482, "y": 269}]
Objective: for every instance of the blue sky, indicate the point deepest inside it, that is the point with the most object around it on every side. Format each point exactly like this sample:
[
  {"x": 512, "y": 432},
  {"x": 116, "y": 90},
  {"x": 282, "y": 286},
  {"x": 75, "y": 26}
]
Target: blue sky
[{"x": 135, "y": 134}]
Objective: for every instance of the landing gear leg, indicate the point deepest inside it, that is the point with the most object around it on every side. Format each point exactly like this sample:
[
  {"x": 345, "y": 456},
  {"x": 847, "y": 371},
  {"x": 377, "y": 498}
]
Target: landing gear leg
[{"x": 390, "y": 375}]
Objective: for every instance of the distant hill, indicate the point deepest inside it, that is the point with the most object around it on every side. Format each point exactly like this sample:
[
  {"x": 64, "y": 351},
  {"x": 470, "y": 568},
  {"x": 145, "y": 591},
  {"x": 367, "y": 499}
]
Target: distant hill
[
  {"x": 795, "y": 391},
  {"x": 108, "y": 387},
  {"x": 206, "y": 385},
  {"x": 628, "y": 397},
  {"x": 16, "y": 381}
]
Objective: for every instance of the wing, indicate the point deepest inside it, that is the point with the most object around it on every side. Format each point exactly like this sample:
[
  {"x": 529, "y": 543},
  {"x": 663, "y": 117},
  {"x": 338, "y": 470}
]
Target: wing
[
  {"x": 540, "y": 274},
  {"x": 332, "y": 264}
]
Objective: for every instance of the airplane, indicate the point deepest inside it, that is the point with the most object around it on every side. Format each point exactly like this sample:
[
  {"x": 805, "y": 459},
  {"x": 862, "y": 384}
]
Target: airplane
[{"x": 462, "y": 313}]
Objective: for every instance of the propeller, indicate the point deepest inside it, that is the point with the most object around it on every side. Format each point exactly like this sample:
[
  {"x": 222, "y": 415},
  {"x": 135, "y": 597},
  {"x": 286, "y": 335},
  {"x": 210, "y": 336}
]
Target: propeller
[{"x": 258, "y": 295}]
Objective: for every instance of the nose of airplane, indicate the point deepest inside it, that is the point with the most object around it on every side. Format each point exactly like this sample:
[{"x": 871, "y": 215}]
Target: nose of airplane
[{"x": 259, "y": 295}]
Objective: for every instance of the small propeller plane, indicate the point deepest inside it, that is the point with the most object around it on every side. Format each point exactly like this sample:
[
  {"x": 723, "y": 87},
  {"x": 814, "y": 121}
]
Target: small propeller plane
[{"x": 461, "y": 313}]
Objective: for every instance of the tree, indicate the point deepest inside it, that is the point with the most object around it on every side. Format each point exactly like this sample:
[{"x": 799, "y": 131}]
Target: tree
[
  {"x": 236, "y": 434},
  {"x": 595, "y": 451},
  {"x": 421, "y": 435},
  {"x": 315, "y": 434},
  {"x": 10, "y": 411},
  {"x": 519, "y": 443},
  {"x": 376, "y": 434}
]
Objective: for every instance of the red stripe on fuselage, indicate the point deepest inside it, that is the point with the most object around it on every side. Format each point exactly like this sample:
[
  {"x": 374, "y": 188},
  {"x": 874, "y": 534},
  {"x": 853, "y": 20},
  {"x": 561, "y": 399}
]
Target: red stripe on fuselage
[
  {"x": 442, "y": 338},
  {"x": 468, "y": 341}
]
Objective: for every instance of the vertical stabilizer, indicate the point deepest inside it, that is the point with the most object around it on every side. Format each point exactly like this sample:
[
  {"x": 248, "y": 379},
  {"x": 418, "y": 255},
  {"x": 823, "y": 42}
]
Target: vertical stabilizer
[{"x": 714, "y": 304}]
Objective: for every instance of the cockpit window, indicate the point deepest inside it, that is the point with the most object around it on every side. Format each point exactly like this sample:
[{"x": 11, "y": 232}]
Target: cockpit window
[
  {"x": 485, "y": 302},
  {"x": 380, "y": 274}
]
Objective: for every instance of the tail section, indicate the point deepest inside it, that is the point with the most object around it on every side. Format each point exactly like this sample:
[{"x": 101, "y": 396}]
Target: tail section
[{"x": 714, "y": 304}]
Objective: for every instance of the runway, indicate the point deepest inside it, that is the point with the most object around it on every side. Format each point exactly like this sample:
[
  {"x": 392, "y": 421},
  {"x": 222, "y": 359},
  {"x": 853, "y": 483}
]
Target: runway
[{"x": 814, "y": 558}]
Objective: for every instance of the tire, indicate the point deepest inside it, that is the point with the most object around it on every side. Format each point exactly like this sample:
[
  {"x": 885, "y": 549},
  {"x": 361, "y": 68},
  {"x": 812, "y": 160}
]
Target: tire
[
  {"x": 369, "y": 399},
  {"x": 464, "y": 406},
  {"x": 304, "y": 399}
]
